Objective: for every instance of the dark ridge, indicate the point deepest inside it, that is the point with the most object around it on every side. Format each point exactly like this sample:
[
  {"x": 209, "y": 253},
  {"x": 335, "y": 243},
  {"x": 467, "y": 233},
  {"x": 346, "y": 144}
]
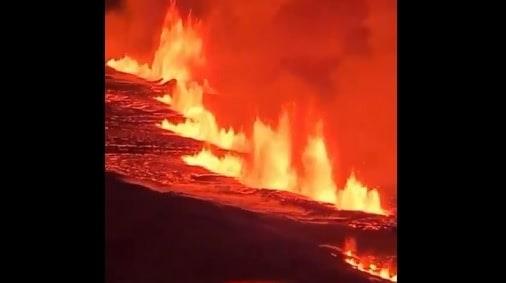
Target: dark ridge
[{"x": 163, "y": 237}]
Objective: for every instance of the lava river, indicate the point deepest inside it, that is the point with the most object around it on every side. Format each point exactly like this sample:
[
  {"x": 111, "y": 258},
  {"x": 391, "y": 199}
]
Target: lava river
[{"x": 139, "y": 151}]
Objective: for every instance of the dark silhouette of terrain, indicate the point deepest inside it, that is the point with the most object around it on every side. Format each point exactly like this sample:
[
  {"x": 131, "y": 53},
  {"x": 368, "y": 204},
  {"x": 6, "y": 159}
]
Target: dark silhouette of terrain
[{"x": 156, "y": 237}]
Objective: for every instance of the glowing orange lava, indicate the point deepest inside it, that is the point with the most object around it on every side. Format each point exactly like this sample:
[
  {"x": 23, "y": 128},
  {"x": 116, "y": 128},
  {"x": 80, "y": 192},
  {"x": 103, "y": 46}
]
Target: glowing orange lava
[
  {"x": 355, "y": 196},
  {"x": 167, "y": 99},
  {"x": 201, "y": 125},
  {"x": 367, "y": 264},
  {"x": 270, "y": 166},
  {"x": 317, "y": 178},
  {"x": 269, "y": 163},
  {"x": 180, "y": 48},
  {"x": 227, "y": 165}
]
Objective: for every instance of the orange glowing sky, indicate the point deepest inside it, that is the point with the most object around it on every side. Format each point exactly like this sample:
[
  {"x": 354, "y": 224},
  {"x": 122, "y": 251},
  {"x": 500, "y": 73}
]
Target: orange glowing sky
[{"x": 333, "y": 60}]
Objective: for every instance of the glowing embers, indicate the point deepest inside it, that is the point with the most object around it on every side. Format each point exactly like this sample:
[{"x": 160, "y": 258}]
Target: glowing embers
[{"x": 368, "y": 264}]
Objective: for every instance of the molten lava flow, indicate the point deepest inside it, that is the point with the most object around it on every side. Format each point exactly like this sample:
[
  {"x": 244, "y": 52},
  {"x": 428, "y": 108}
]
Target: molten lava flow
[
  {"x": 130, "y": 66},
  {"x": 368, "y": 264},
  {"x": 180, "y": 48},
  {"x": 166, "y": 98},
  {"x": 202, "y": 125},
  {"x": 270, "y": 166},
  {"x": 270, "y": 163},
  {"x": 227, "y": 165}
]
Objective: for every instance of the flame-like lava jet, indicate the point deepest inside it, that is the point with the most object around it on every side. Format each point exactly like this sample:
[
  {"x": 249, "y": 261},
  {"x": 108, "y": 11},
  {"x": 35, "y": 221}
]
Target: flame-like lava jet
[
  {"x": 180, "y": 48},
  {"x": 270, "y": 163},
  {"x": 166, "y": 98},
  {"x": 201, "y": 125},
  {"x": 131, "y": 66},
  {"x": 356, "y": 196},
  {"x": 270, "y": 166},
  {"x": 317, "y": 178},
  {"x": 227, "y": 165}
]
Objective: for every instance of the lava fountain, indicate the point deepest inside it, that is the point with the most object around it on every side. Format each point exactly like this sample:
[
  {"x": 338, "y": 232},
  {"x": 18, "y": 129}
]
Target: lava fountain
[{"x": 269, "y": 161}]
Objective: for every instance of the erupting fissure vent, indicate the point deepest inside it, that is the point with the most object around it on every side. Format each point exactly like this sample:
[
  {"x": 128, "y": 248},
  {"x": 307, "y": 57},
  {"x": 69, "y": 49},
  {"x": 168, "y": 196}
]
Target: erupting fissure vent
[{"x": 268, "y": 162}]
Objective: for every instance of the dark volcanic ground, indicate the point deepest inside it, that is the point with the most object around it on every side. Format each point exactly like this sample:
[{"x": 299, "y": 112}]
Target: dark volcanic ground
[{"x": 169, "y": 222}]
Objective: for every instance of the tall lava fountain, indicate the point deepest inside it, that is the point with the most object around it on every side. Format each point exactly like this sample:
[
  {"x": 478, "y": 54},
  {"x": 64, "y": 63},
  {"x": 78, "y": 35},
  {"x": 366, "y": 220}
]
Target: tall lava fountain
[{"x": 285, "y": 112}]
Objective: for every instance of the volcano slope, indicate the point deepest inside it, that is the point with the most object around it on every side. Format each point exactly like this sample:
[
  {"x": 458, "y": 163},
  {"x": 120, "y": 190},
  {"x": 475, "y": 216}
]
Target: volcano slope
[{"x": 169, "y": 222}]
